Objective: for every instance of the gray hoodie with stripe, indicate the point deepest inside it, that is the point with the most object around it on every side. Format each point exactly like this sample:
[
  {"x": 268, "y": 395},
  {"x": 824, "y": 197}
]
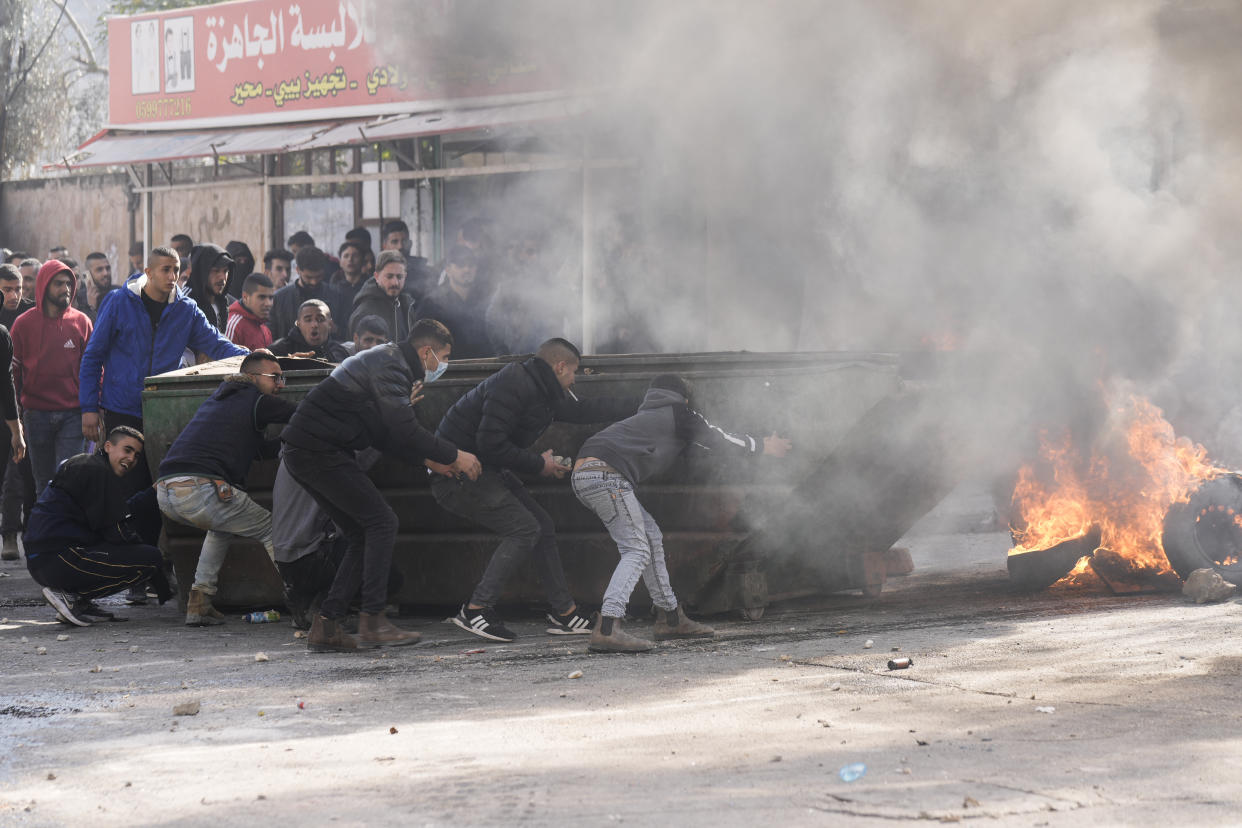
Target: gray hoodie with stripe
[{"x": 648, "y": 443}]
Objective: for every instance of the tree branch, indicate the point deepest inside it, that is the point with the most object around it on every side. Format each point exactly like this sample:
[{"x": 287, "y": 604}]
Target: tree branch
[
  {"x": 26, "y": 72},
  {"x": 91, "y": 64}
]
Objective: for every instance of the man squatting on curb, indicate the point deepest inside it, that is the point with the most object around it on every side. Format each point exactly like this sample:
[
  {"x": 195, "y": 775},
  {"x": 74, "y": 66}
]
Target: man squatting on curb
[
  {"x": 93, "y": 531},
  {"x": 610, "y": 464}
]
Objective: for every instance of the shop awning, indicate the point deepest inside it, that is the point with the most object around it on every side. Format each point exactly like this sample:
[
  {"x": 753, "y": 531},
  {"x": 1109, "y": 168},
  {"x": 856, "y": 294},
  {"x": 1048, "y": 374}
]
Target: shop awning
[{"x": 122, "y": 147}]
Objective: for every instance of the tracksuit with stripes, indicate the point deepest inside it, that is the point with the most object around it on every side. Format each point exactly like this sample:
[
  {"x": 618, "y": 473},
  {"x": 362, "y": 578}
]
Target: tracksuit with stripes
[{"x": 89, "y": 533}]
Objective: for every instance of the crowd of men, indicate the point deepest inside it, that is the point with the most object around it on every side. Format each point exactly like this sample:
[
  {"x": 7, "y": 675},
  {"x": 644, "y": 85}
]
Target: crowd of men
[{"x": 80, "y": 492}]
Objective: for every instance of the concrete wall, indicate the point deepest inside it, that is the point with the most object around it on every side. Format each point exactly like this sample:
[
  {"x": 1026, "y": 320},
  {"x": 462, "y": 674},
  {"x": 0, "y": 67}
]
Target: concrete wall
[
  {"x": 91, "y": 212},
  {"x": 217, "y": 214},
  {"x": 84, "y": 213}
]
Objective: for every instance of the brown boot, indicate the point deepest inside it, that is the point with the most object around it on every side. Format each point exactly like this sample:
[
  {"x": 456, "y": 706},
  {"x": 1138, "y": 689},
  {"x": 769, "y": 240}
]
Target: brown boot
[
  {"x": 199, "y": 612},
  {"x": 375, "y": 630},
  {"x": 675, "y": 624},
  {"x": 608, "y": 637},
  {"x": 326, "y": 636}
]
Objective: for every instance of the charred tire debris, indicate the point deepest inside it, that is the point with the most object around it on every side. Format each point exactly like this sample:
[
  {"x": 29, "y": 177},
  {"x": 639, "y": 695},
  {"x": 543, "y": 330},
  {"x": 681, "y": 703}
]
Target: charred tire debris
[{"x": 1206, "y": 531}]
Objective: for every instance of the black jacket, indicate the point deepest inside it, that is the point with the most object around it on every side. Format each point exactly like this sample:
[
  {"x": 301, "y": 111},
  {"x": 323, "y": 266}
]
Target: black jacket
[
  {"x": 8, "y": 394},
  {"x": 81, "y": 506},
  {"x": 502, "y": 416},
  {"x": 365, "y": 402},
  {"x": 8, "y": 317},
  {"x": 294, "y": 343},
  {"x": 225, "y": 435},
  {"x": 289, "y": 298},
  {"x": 347, "y": 292},
  {"x": 472, "y": 339},
  {"x": 215, "y": 308},
  {"x": 373, "y": 301}
]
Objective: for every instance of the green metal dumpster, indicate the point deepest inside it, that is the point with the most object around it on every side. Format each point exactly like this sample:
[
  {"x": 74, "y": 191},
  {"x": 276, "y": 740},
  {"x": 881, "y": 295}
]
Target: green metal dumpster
[{"x": 815, "y": 399}]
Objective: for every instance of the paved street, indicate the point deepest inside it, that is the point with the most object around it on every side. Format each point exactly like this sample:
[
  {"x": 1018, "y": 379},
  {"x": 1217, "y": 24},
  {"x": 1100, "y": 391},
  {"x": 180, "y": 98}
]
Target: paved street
[{"x": 1025, "y": 710}]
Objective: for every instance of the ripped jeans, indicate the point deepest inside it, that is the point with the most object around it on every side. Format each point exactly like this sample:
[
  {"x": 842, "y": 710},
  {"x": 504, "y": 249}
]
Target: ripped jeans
[{"x": 611, "y": 497}]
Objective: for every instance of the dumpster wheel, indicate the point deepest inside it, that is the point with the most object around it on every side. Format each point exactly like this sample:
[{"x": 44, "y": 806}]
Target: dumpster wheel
[{"x": 751, "y": 613}]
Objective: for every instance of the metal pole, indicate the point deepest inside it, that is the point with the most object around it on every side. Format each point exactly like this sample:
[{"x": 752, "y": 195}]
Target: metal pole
[
  {"x": 588, "y": 255},
  {"x": 418, "y": 200},
  {"x": 146, "y": 218},
  {"x": 265, "y": 236}
]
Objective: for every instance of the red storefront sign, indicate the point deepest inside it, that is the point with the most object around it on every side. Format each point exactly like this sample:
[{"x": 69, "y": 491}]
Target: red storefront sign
[{"x": 267, "y": 61}]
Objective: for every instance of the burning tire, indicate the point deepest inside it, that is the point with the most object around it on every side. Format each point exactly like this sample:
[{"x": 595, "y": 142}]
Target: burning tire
[
  {"x": 1206, "y": 531},
  {"x": 1041, "y": 568}
]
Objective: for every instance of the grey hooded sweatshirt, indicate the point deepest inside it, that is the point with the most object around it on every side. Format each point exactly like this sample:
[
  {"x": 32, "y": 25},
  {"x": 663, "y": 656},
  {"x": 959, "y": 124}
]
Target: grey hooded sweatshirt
[{"x": 648, "y": 443}]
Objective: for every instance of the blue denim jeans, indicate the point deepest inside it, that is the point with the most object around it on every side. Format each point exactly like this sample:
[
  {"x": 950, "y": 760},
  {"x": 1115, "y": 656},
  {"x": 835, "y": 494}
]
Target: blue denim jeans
[
  {"x": 52, "y": 437},
  {"x": 199, "y": 505},
  {"x": 611, "y": 497}
]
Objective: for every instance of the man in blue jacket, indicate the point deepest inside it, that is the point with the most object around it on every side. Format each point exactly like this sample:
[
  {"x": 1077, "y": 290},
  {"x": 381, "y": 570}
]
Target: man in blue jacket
[{"x": 142, "y": 330}]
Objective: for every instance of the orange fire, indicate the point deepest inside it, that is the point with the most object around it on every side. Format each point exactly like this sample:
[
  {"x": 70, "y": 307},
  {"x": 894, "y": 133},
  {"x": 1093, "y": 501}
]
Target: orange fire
[{"x": 1136, "y": 471}]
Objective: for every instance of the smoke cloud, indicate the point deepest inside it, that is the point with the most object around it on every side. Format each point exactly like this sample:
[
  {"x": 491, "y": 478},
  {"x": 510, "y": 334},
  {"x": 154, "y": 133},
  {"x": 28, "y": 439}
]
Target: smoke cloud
[{"x": 1046, "y": 189}]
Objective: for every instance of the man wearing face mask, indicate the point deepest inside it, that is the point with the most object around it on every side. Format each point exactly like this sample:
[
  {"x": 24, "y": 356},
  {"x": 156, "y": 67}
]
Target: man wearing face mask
[{"x": 367, "y": 402}]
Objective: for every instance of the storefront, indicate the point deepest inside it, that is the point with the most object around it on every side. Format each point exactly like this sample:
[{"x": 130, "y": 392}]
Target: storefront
[{"x": 310, "y": 118}]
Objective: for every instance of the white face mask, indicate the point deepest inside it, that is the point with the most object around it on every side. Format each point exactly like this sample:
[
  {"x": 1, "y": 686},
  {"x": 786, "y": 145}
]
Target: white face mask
[{"x": 438, "y": 371}]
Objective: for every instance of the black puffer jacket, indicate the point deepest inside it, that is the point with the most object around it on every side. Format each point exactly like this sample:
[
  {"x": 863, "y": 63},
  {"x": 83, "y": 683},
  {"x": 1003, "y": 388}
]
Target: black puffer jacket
[
  {"x": 502, "y": 416},
  {"x": 365, "y": 402}
]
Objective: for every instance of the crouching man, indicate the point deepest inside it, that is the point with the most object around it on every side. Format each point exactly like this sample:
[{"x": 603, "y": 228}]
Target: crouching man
[
  {"x": 91, "y": 534},
  {"x": 610, "y": 464},
  {"x": 367, "y": 402},
  {"x": 201, "y": 477}
]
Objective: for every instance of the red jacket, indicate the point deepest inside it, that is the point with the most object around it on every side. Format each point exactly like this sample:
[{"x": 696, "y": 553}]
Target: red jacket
[
  {"x": 246, "y": 329},
  {"x": 48, "y": 352}
]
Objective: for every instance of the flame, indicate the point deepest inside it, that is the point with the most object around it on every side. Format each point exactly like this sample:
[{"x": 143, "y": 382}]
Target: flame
[{"x": 1136, "y": 471}]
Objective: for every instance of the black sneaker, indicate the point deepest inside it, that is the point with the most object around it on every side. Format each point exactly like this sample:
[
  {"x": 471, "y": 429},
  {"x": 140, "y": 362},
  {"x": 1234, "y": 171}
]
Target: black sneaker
[
  {"x": 572, "y": 623},
  {"x": 137, "y": 596},
  {"x": 484, "y": 623},
  {"x": 63, "y": 603}
]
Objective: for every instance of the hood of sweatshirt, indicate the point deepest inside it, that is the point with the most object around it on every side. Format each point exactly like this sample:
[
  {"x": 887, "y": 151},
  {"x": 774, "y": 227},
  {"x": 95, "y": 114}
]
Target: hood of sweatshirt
[
  {"x": 238, "y": 250},
  {"x": 47, "y": 272},
  {"x": 660, "y": 398},
  {"x": 204, "y": 258}
]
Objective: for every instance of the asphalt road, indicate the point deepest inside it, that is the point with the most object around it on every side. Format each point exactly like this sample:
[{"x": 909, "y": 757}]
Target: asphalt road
[{"x": 1047, "y": 709}]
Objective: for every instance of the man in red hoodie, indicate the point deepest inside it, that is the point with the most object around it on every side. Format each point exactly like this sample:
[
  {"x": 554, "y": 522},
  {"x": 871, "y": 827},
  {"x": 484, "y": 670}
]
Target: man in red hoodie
[
  {"x": 48, "y": 341},
  {"x": 248, "y": 315}
]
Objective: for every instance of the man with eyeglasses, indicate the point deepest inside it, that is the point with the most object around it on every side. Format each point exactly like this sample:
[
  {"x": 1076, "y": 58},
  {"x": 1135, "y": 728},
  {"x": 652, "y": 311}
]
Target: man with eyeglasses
[{"x": 201, "y": 479}]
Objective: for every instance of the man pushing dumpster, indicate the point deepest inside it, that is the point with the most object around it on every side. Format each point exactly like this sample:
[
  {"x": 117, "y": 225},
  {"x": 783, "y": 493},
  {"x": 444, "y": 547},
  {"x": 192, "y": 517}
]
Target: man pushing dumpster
[
  {"x": 499, "y": 419},
  {"x": 366, "y": 402},
  {"x": 610, "y": 464}
]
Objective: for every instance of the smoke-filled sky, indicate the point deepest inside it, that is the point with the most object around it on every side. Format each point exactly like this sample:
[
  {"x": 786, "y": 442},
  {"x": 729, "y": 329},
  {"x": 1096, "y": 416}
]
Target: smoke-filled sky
[{"x": 1047, "y": 186}]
